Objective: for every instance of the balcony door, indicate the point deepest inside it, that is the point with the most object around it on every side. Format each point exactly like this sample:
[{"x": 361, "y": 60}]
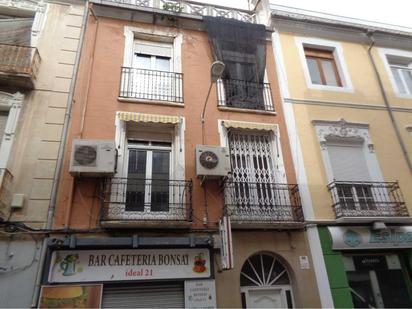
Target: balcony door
[
  {"x": 151, "y": 77},
  {"x": 351, "y": 172},
  {"x": 148, "y": 177},
  {"x": 253, "y": 171}
]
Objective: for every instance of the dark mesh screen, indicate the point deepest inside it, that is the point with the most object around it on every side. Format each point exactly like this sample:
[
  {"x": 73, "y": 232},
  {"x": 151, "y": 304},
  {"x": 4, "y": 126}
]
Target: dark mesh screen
[{"x": 242, "y": 48}]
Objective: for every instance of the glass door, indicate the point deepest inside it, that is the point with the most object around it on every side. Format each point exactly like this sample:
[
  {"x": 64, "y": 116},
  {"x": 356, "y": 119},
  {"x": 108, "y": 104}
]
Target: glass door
[{"x": 378, "y": 281}]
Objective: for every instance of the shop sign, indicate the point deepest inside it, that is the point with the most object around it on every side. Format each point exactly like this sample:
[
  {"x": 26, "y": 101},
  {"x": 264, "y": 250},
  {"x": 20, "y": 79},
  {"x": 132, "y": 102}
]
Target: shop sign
[
  {"x": 366, "y": 262},
  {"x": 200, "y": 294},
  {"x": 113, "y": 265},
  {"x": 355, "y": 238}
]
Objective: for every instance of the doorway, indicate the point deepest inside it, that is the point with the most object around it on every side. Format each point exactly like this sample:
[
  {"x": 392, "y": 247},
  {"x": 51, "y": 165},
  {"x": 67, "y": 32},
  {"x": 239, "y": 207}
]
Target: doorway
[
  {"x": 377, "y": 281},
  {"x": 265, "y": 283}
]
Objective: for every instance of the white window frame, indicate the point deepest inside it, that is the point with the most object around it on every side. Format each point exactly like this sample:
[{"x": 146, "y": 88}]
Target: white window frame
[
  {"x": 336, "y": 48},
  {"x": 139, "y": 33},
  {"x": 11, "y": 103},
  {"x": 384, "y": 53},
  {"x": 149, "y": 168},
  {"x": 177, "y": 166}
]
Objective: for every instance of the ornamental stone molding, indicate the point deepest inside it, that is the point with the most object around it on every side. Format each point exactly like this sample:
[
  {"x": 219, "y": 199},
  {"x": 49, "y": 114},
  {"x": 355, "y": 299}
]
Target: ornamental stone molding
[{"x": 342, "y": 130}]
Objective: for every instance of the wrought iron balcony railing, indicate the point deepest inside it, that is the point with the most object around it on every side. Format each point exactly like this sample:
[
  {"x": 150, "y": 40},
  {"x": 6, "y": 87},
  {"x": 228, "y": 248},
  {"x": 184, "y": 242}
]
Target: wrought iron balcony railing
[
  {"x": 367, "y": 199},
  {"x": 134, "y": 199},
  {"x": 242, "y": 94},
  {"x": 188, "y": 7},
  {"x": 262, "y": 202},
  {"x": 151, "y": 85},
  {"x": 19, "y": 61}
]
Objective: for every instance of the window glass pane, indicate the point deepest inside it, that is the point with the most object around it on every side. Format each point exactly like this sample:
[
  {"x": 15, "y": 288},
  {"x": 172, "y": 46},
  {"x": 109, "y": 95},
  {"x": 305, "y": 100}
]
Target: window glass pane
[
  {"x": 3, "y": 121},
  {"x": 142, "y": 61},
  {"x": 162, "y": 64},
  {"x": 314, "y": 71},
  {"x": 407, "y": 74},
  {"x": 329, "y": 72},
  {"x": 160, "y": 181},
  {"x": 136, "y": 180},
  {"x": 398, "y": 80}
]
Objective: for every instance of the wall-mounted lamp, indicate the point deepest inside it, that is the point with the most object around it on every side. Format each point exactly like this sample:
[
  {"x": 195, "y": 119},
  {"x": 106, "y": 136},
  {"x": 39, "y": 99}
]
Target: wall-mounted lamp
[{"x": 216, "y": 71}]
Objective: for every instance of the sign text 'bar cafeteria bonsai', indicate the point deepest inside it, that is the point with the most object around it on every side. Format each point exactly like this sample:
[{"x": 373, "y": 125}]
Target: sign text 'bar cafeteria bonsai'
[{"x": 113, "y": 265}]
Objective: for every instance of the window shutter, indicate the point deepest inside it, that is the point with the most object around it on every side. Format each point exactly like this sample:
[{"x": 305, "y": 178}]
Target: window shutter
[
  {"x": 153, "y": 48},
  {"x": 3, "y": 121},
  {"x": 348, "y": 162}
]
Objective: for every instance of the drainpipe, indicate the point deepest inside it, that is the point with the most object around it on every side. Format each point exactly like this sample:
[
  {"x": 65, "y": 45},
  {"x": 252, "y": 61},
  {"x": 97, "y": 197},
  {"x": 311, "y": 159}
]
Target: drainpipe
[
  {"x": 69, "y": 203},
  {"x": 369, "y": 34},
  {"x": 59, "y": 164}
]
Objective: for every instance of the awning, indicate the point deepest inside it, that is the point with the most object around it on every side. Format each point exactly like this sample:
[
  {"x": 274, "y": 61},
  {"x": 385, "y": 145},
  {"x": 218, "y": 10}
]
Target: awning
[
  {"x": 248, "y": 125},
  {"x": 139, "y": 117}
]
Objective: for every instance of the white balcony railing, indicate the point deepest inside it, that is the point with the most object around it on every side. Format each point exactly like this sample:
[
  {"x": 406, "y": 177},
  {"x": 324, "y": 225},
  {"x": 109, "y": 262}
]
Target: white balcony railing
[{"x": 188, "y": 7}]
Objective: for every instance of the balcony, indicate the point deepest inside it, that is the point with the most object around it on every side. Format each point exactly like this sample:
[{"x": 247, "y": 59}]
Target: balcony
[
  {"x": 151, "y": 85},
  {"x": 132, "y": 202},
  {"x": 233, "y": 93},
  {"x": 266, "y": 204},
  {"x": 184, "y": 8},
  {"x": 368, "y": 202},
  {"x": 18, "y": 65}
]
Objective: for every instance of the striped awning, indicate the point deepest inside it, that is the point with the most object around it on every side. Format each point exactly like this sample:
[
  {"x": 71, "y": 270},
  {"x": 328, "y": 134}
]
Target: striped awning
[
  {"x": 248, "y": 125},
  {"x": 153, "y": 118}
]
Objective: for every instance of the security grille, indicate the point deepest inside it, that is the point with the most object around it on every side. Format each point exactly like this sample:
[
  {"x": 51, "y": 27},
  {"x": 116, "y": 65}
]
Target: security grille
[
  {"x": 252, "y": 156},
  {"x": 147, "y": 295},
  {"x": 252, "y": 193}
]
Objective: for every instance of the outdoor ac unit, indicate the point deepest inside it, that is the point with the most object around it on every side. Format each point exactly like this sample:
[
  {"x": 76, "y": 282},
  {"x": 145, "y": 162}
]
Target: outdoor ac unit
[
  {"x": 212, "y": 162},
  {"x": 92, "y": 158}
]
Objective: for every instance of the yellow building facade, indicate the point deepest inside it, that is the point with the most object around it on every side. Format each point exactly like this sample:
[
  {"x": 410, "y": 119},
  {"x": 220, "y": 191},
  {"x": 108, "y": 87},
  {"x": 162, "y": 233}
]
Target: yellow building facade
[{"x": 347, "y": 94}]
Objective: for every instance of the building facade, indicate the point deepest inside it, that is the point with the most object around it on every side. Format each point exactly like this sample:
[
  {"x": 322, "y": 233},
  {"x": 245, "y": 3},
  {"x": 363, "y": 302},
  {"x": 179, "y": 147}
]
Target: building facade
[
  {"x": 345, "y": 88},
  {"x": 147, "y": 232},
  {"x": 39, "y": 42}
]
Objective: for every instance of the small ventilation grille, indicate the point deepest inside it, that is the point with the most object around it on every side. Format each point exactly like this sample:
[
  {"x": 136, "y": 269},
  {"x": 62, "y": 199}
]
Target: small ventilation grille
[{"x": 85, "y": 155}]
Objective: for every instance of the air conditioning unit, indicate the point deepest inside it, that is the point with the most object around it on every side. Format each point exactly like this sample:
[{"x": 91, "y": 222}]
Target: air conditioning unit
[
  {"x": 93, "y": 158},
  {"x": 212, "y": 162}
]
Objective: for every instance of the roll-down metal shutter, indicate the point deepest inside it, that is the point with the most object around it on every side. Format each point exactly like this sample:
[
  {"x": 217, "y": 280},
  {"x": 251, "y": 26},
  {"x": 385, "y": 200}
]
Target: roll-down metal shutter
[{"x": 169, "y": 295}]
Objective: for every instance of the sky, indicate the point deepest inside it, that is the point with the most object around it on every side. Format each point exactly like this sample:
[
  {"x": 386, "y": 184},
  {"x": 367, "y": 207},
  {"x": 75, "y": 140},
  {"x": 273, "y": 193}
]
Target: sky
[{"x": 395, "y": 12}]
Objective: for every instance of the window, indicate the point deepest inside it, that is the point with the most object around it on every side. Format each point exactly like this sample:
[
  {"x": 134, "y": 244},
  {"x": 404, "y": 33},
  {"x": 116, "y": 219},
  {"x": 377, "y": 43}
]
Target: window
[
  {"x": 151, "y": 67},
  {"x": 323, "y": 64},
  {"x": 149, "y": 183},
  {"x": 351, "y": 173},
  {"x": 3, "y": 121},
  {"x": 355, "y": 181},
  {"x": 398, "y": 64},
  {"x": 322, "y": 67},
  {"x": 401, "y": 69},
  {"x": 148, "y": 176}
]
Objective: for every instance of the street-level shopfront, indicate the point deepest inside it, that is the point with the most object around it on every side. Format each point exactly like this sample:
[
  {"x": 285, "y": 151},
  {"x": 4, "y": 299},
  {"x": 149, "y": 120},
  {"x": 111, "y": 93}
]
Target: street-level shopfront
[
  {"x": 368, "y": 268},
  {"x": 155, "y": 274}
]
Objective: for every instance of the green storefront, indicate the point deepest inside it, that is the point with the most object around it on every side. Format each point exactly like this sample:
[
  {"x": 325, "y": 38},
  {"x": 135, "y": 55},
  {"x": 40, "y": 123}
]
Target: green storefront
[{"x": 368, "y": 268}]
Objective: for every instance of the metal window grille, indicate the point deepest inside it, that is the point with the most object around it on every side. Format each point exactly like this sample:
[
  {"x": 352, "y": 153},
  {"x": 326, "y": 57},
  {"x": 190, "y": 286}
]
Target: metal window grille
[{"x": 252, "y": 193}]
